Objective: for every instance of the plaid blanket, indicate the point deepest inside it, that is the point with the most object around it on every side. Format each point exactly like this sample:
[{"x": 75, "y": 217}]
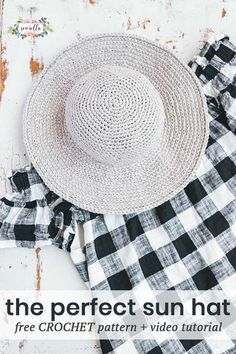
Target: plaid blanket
[{"x": 189, "y": 242}]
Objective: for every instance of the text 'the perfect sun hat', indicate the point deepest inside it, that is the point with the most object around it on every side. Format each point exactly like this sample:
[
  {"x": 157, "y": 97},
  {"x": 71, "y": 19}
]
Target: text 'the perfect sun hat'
[{"x": 116, "y": 124}]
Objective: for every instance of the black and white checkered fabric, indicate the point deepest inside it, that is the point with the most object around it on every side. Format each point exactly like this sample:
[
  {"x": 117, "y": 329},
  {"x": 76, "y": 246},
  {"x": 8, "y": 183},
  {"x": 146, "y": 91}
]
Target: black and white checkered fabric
[
  {"x": 34, "y": 216},
  {"x": 187, "y": 243}
]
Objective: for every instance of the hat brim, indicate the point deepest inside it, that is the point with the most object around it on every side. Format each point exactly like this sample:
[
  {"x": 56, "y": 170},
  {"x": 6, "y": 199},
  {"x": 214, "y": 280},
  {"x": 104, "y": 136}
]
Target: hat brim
[{"x": 100, "y": 188}]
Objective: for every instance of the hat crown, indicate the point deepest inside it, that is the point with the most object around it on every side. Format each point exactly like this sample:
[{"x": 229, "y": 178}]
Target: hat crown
[{"x": 115, "y": 114}]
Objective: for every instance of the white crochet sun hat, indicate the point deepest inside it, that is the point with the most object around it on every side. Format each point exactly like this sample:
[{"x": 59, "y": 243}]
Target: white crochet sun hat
[{"x": 116, "y": 124}]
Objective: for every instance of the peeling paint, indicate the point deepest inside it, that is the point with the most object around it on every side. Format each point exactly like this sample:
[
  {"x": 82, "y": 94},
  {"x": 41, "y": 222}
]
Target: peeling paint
[
  {"x": 3, "y": 72},
  {"x": 144, "y": 23},
  {"x": 3, "y": 62},
  {"x": 32, "y": 10},
  {"x": 172, "y": 42},
  {"x": 21, "y": 344},
  {"x": 38, "y": 269},
  {"x": 129, "y": 24},
  {"x": 223, "y": 12},
  {"x": 35, "y": 66},
  {"x": 2, "y": 7},
  {"x": 140, "y": 24}
]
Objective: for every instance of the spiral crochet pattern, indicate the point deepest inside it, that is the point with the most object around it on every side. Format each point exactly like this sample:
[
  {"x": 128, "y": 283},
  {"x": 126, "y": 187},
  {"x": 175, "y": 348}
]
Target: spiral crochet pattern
[
  {"x": 116, "y": 124},
  {"x": 115, "y": 115}
]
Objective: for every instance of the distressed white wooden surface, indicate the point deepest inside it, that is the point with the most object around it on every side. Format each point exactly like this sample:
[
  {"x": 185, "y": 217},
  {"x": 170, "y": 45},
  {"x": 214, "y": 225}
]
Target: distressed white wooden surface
[
  {"x": 50, "y": 269},
  {"x": 182, "y": 25}
]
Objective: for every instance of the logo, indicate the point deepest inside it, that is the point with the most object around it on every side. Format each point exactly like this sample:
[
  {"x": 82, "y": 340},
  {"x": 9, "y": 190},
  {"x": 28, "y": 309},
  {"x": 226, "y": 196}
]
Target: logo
[{"x": 30, "y": 28}]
